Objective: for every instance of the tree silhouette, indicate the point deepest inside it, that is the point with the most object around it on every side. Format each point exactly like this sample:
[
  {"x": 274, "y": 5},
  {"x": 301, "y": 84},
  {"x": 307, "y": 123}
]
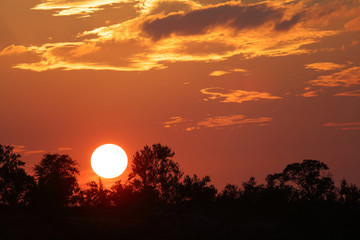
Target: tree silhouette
[
  {"x": 122, "y": 194},
  {"x": 197, "y": 189},
  {"x": 310, "y": 178},
  {"x": 349, "y": 193},
  {"x": 96, "y": 195},
  {"x": 277, "y": 191},
  {"x": 155, "y": 172},
  {"x": 56, "y": 177},
  {"x": 230, "y": 192},
  {"x": 252, "y": 192},
  {"x": 15, "y": 183}
]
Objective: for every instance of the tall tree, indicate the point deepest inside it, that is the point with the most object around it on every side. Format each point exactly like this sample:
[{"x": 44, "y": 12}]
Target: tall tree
[
  {"x": 15, "y": 183},
  {"x": 56, "y": 177},
  {"x": 154, "y": 170},
  {"x": 311, "y": 179}
]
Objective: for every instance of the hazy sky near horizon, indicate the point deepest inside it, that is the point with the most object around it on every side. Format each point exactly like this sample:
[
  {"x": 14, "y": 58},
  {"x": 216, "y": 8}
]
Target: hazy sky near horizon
[{"x": 235, "y": 88}]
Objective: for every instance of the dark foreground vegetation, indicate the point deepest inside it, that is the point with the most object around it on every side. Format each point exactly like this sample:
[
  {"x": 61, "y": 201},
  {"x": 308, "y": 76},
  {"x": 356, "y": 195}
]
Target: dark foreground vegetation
[{"x": 159, "y": 202}]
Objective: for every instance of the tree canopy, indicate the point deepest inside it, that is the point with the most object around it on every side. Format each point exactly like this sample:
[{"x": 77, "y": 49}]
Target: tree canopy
[
  {"x": 153, "y": 169},
  {"x": 15, "y": 183},
  {"x": 56, "y": 177}
]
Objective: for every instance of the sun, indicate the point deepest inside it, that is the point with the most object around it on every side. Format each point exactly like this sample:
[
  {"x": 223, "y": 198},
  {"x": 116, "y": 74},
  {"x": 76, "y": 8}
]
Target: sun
[{"x": 109, "y": 161}]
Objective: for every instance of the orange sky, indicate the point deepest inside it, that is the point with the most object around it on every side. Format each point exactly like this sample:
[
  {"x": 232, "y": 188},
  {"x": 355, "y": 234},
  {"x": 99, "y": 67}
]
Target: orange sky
[{"x": 236, "y": 88}]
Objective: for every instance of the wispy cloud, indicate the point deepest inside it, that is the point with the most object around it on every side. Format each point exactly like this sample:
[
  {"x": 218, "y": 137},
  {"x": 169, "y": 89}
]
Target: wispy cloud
[
  {"x": 23, "y": 151},
  {"x": 173, "y": 121},
  {"x": 218, "y": 73},
  {"x": 222, "y": 72},
  {"x": 74, "y": 7},
  {"x": 344, "y": 78},
  {"x": 215, "y": 122},
  {"x": 324, "y": 66},
  {"x": 355, "y": 93},
  {"x": 33, "y": 152},
  {"x": 239, "y": 120},
  {"x": 64, "y": 148},
  {"x": 19, "y": 148},
  {"x": 235, "y": 96},
  {"x": 345, "y": 126},
  {"x": 309, "y": 94},
  {"x": 13, "y": 50},
  {"x": 151, "y": 7}
]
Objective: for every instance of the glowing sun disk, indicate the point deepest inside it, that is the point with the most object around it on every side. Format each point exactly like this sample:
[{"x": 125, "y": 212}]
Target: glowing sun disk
[{"x": 109, "y": 161}]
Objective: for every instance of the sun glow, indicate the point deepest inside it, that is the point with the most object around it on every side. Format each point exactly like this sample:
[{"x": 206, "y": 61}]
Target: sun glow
[{"x": 109, "y": 161}]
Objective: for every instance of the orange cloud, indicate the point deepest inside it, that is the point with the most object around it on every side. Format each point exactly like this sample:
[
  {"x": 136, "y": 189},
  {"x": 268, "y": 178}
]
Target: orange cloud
[
  {"x": 345, "y": 78},
  {"x": 235, "y": 96},
  {"x": 26, "y": 153},
  {"x": 218, "y": 73},
  {"x": 22, "y": 150},
  {"x": 324, "y": 66},
  {"x": 324, "y": 13},
  {"x": 345, "y": 126},
  {"x": 353, "y": 25},
  {"x": 151, "y": 7},
  {"x": 239, "y": 70},
  {"x": 355, "y": 93},
  {"x": 64, "y": 148},
  {"x": 18, "y": 148},
  {"x": 13, "y": 49},
  {"x": 222, "y": 72},
  {"x": 215, "y": 122},
  {"x": 222, "y": 121},
  {"x": 152, "y": 41},
  {"x": 173, "y": 121},
  {"x": 74, "y": 7},
  {"x": 310, "y": 94}
]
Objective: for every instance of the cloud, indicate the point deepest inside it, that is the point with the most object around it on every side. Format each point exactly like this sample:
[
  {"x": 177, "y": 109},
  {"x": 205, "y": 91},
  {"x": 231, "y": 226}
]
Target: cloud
[
  {"x": 309, "y": 94},
  {"x": 151, "y": 7},
  {"x": 64, "y": 148},
  {"x": 216, "y": 122},
  {"x": 222, "y": 72},
  {"x": 324, "y": 66},
  {"x": 353, "y": 25},
  {"x": 75, "y": 7},
  {"x": 201, "y": 33},
  {"x": 19, "y": 148},
  {"x": 13, "y": 50},
  {"x": 173, "y": 121},
  {"x": 222, "y": 121},
  {"x": 344, "y": 126},
  {"x": 239, "y": 70},
  {"x": 22, "y": 150},
  {"x": 355, "y": 93},
  {"x": 218, "y": 73},
  {"x": 235, "y": 96},
  {"x": 26, "y": 153},
  {"x": 344, "y": 78},
  {"x": 324, "y": 13},
  {"x": 203, "y": 20}
]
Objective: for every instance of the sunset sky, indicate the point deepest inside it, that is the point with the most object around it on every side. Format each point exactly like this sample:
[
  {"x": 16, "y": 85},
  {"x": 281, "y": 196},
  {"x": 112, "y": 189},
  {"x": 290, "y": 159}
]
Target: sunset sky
[{"x": 235, "y": 88}]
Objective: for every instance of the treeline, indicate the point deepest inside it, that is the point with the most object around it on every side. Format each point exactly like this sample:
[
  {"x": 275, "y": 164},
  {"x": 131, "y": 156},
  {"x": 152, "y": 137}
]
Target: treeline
[{"x": 156, "y": 180}]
